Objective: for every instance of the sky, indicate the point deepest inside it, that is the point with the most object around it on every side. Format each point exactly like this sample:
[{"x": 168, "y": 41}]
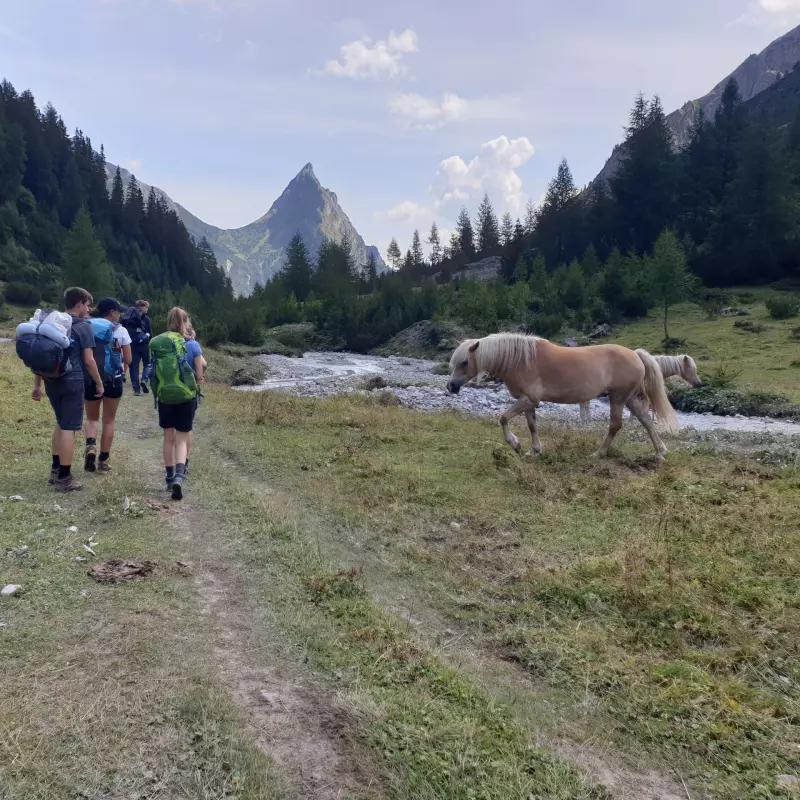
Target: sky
[{"x": 406, "y": 110}]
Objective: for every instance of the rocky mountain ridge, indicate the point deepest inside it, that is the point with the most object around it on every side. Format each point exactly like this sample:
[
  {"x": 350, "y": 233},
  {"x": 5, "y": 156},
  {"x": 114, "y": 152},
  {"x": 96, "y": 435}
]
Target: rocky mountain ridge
[
  {"x": 253, "y": 254},
  {"x": 755, "y": 74}
]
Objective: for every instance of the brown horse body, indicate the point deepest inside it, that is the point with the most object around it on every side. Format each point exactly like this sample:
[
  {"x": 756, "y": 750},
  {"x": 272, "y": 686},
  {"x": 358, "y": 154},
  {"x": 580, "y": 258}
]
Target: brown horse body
[{"x": 535, "y": 370}]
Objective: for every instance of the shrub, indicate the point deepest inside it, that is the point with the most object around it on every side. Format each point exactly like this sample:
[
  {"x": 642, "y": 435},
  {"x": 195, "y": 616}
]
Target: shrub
[
  {"x": 213, "y": 334},
  {"x": 548, "y": 326},
  {"x": 722, "y": 376},
  {"x": 751, "y": 327},
  {"x": 22, "y": 293},
  {"x": 713, "y": 301},
  {"x": 783, "y": 306},
  {"x": 728, "y": 402},
  {"x": 796, "y": 332}
]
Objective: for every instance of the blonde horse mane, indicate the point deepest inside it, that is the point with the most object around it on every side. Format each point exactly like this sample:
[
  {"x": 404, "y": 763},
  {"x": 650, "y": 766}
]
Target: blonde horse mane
[
  {"x": 499, "y": 353},
  {"x": 673, "y": 365}
]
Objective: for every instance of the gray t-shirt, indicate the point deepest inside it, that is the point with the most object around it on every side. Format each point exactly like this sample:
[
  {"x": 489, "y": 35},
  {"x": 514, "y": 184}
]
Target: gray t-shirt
[{"x": 82, "y": 338}]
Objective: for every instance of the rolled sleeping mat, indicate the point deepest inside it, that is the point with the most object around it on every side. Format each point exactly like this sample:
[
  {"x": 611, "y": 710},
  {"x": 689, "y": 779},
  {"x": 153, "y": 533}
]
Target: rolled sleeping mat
[{"x": 44, "y": 329}]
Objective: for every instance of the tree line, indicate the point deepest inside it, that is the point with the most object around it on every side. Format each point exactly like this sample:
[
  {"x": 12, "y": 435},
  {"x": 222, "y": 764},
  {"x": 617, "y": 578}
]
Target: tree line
[{"x": 60, "y": 226}]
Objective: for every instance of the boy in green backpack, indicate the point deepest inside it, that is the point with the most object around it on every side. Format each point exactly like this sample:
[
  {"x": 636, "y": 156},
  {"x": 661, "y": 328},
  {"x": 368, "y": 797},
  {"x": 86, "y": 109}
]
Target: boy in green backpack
[{"x": 175, "y": 391}]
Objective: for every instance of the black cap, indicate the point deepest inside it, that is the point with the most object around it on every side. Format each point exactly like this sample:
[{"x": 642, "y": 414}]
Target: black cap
[{"x": 107, "y": 305}]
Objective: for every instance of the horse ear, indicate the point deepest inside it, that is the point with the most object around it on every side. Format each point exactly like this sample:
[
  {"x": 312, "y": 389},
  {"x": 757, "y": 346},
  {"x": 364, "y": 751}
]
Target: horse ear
[{"x": 473, "y": 347}]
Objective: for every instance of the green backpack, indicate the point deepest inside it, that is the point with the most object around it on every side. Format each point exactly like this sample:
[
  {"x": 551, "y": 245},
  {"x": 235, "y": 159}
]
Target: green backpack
[{"x": 173, "y": 378}]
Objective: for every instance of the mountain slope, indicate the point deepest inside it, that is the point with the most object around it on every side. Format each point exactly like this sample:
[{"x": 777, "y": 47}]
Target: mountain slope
[
  {"x": 254, "y": 253},
  {"x": 755, "y": 74}
]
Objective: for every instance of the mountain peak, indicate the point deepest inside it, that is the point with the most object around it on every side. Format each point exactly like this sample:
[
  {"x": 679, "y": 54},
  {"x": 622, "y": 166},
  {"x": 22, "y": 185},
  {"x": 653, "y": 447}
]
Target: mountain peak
[{"x": 307, "y": 172}]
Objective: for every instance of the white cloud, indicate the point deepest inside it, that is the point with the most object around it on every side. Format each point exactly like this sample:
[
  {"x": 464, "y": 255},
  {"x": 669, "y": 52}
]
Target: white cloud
[
  {"x": 407, "y": 211},
  {"x": 363, "y": 59},
  {"x": 779, "y": 6},
  {"x": 133, "y": 163},
  {"x": 493, "y": 170},
  {"x": 425, "y": 112}
]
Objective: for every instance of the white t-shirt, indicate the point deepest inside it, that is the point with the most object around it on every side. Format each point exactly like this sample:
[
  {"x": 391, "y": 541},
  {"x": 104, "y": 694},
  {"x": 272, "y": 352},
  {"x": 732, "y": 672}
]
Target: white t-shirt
[{"x": 121, "y": 333}]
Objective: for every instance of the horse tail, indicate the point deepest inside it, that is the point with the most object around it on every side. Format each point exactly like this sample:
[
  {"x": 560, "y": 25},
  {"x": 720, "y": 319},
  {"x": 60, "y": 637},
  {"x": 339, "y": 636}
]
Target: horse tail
[{"x": 656, "y": 393}]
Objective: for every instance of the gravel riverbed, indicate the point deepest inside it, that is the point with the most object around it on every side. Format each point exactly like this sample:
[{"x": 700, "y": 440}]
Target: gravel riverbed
[{"x": 416, "y": 386}]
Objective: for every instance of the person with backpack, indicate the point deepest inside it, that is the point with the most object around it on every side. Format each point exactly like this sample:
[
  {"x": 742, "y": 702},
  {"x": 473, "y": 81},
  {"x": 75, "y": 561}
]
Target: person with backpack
[
  {"x": 112, "y": 354},
  {"x": 63, "y": 375},
  {"x": 197, "y": 362},
  {"x": 175, "y": 393},
  {"x": 137, "y": 323}
]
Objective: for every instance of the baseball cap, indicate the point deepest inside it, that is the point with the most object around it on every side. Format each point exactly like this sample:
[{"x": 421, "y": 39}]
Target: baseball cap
[{"x": 107, "y": 305}]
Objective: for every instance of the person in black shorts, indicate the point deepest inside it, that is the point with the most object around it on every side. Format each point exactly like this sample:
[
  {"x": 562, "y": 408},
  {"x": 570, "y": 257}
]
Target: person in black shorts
[
  {"x": 66, "y": 393},
  {"x": 177, "y": 420},
  {"x": 110, "y": 310}
]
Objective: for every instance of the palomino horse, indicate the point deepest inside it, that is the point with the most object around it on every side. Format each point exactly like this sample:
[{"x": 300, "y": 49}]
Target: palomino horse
[
  {"x": 682, "y": 366},
  {"x": 534, "y": 369}
]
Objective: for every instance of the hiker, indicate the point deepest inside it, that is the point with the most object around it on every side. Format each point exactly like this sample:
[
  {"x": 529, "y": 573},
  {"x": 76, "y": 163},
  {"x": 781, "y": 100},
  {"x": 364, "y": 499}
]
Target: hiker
[
  {"x": 197, "y": 362},
  {"x": 137, "y": 323},
  {"x": 175, "y": 391},
  {"x": 66, "y": 392},
  {"x": 112, "y": 354}
]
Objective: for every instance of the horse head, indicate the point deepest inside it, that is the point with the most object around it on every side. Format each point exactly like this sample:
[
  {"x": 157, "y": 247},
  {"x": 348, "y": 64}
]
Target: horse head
[
  {"x": 689, "y": 371},
  {"x": 463, "y": 365}
]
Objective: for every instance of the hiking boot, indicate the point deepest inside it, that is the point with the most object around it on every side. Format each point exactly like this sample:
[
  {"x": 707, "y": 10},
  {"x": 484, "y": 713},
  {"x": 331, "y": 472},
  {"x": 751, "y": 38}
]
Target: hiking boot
[
  {"x": 136, "y": 392},
  {"x": 68, "y": 484},
  {"x": 53, "y": 475},
  {"x": 104, "y": 466},
  {"x": 177, "y": 488},
  {"x": 90, "y": 458},
  {"x": 145, "y": 387}
]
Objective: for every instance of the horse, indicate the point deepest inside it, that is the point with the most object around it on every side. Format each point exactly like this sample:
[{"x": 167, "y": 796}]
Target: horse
[
  {"x": 682, "y": 366},
  {"x": 534, "y": 370}
]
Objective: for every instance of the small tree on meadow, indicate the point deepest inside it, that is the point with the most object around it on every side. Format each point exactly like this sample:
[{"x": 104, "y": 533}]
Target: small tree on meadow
[{"x": 670, "y": 279}]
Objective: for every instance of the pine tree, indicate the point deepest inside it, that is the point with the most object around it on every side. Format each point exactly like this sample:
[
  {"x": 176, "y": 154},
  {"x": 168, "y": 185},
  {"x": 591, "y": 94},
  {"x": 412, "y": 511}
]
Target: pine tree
[
  {"x": 134, "y": 209},
  {"x": 435, "y": 243},
  {"x": 669, "y": 278},
  {"x": 644, "y": 186},
  {"x": 83, "y": 258},
  {"x": 296, "y": 273},
  {"x": 117, "y": 202},
  {"x": 394, "y": 254},
  {"x": 730, "y": 121},
  {"x": 464, "y": 238},
  {"x": 417, "y": 254},
  {"x": 507, "y": 230},
  {"x": 530, "y": 218},
  {"x": 371, "y": 272},
  {"x": 557, "y": 221},
  {"x": 488, "y": 228},
  {"x": 696, "y": 197}
]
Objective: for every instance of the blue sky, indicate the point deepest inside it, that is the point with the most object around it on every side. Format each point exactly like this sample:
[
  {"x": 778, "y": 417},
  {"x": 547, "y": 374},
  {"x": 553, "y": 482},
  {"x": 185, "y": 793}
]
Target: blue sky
[{"x": 406, "y": 110}]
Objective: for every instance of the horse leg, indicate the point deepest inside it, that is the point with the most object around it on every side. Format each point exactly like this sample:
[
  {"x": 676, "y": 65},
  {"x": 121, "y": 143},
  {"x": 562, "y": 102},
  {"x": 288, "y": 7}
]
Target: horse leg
[
  {"x": 520, "y": 407},
  {"x": 638, "y": 410},
  {"x": 537, "y": 447},
  {"x": 586, "y": 413},
  {"x": 613, "y": 426}
]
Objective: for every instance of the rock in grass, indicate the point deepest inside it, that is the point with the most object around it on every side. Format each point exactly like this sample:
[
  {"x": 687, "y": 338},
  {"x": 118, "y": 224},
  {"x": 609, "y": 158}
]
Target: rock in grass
[{"x": 10, "y": 590}]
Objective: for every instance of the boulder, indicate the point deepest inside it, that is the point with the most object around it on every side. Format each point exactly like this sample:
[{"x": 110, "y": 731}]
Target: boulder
[
  {"x": 732, "y": 311},
  {"x": 244, "y": 378},
  {"x": 601, "y": 331},
  {"x": 570, "y": 342}
]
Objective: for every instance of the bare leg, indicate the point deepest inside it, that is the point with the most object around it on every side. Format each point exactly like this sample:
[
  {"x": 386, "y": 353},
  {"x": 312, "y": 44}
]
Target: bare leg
[
  {"x": 169, "y": 447},
  {"x": 613, "y": 427},
  {"x": 110, "y": 406},
  {"x": 638, "y": 410},
  {"x": 64, "y": 446},
  {"x": 181, "y": 447},
  {"x": 537, "y": 447},
  {"x": 520, "y": 407},
  {"x": 92, "y": 418}
]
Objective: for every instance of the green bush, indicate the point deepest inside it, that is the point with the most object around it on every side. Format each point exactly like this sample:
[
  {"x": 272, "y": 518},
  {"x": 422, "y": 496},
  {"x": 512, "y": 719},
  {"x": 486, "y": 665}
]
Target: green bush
[
  {"x": 548, "y": 326},
  {"x": 750, "y": 327},
  {"x": 22, "y": 294},
  {"x": 214, "y": 333},
  {"x": 729, "y": 402},
  {"x": 783, "y": 306}
]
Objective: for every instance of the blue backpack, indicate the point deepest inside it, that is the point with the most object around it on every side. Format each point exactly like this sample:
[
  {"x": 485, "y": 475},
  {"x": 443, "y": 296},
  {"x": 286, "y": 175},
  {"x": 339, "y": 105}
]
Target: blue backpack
[{"x": 109, "y": 362}]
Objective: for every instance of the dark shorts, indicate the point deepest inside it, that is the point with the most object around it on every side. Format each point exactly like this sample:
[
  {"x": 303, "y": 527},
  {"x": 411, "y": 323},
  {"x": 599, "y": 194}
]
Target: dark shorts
[
  {"x": 112, "y": 390},
  {"x": 180, "y": 417},
  {"x": 66, "y": 398}
]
